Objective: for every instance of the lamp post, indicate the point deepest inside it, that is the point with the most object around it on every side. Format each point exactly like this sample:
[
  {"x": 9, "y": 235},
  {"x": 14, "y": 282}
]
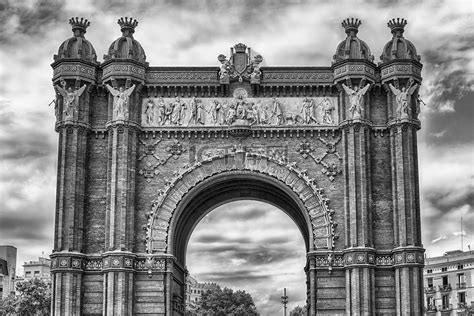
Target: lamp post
[{"x": 284, "y": 300}]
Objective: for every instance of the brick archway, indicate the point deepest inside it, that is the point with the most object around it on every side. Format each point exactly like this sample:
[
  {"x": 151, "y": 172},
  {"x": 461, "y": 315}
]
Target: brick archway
[{"x": 273, "y": 181}]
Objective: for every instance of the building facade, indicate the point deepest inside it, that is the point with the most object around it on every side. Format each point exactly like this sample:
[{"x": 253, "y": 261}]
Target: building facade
[
  {"x": 194, "y": 291},
  {"x": 7, "y": 270},
  {"x": 146, "y": 151},
  {"x": 449, "y": 284},
  {"x": 40, "y": 269}
]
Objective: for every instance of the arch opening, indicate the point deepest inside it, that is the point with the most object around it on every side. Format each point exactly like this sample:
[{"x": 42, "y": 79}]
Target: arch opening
[
  {"x": 224, "y": 188},
  {"x": 252, "y": 246}
]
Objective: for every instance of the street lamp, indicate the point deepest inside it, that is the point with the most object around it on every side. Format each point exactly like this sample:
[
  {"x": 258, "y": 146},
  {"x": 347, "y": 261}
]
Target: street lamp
[{"x": 284, "y": 300}]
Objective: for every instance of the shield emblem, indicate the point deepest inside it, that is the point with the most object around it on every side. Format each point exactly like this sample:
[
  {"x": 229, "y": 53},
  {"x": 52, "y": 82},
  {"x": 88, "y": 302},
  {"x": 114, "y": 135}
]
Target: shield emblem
[{"x": 240, "y": 62}]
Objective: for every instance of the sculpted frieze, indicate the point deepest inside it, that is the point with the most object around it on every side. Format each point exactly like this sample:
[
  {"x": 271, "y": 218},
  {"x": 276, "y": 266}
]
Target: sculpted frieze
[{"x": 239, "y": 110}]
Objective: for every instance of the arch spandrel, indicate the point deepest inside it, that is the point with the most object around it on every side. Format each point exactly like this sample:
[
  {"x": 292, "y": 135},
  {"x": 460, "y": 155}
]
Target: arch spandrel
[{"x": 304, "y": 191}]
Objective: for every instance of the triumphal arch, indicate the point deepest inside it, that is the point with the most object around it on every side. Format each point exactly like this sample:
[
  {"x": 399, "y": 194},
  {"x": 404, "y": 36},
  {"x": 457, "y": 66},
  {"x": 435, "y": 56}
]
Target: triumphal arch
[{"x": 146, "y": 151}]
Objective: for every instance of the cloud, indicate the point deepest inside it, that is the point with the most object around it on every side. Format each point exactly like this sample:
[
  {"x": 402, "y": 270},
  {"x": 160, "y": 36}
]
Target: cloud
[
  {"x": 254, "y": 251},
  {"x": 447, "y": 194},
  {"x": 24, "y": 19}
]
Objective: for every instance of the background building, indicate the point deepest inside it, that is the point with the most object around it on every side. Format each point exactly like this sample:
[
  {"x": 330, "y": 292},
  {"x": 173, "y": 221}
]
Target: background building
[
  {"x": 40, "y": 269},
  {"x": 449, "y": 284},
  {"x": 194, "y": 290},
  {"x": 7, "y": 270}
]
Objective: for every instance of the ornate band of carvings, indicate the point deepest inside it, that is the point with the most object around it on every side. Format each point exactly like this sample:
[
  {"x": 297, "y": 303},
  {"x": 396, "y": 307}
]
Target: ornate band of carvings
[
  {"x": 354, "y": 69},
  {"x": 405, "y": 122},
  {"x": 305, "y": 187},
  {"x": 400, "y": 69},
  {"x": 123, "y": 69},
  {"x": 179, "y": 77},
  {"x": 296, "y": 77},
  {"x": 353, "y": 258},
  {"x": 121, "y": 124},
  {"x": 69, "y": 126},
  {"x": 73, "y": 70},
  {"x": 70, "y": 262}
]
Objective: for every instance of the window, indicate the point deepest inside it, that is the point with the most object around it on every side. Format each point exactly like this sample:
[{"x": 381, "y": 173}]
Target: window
[
  {"x": 37, "y": 273},
  {"x": 445, "y": 302},
  {"x": 461, "y": 278},
  {"x": 429, "y": 271},
  {"x": 444, "y": 269},
  {"x": 430, "y": 282},
  {"x": 462, "y": 298},
  {"x": 28, "y": 274},
  {"x": 445, "y": 280},
  {"x": 460, "y": 266},
  {"x": 429, "y": 302}
]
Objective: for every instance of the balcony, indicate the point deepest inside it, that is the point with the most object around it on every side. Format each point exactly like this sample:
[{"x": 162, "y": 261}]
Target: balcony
[
  {"x": 431, "y": 310},
  {"x": 445, "y": 288},
  {"x": 430, "y": 290},
  {"x": 461, "y": 285}
]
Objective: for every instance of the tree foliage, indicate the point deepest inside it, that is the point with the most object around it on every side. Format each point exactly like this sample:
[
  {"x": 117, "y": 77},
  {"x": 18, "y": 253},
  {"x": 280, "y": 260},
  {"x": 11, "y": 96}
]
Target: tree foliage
[
  {"x": 220, "y": 302},
  {"x": 298, "y": 311},
  {"x": 33, "y": 298}
]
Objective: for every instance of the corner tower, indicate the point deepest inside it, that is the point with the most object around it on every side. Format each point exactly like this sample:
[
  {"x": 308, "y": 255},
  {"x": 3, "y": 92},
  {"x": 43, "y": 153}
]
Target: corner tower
[
  {"x": 401, "y": 78},
  {"x": 75, "y": 71}
]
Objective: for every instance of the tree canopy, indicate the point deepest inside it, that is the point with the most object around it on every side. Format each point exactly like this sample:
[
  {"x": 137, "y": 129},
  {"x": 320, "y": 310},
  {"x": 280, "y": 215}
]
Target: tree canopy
[
  {"x": 33, "y": 298},
  {"x": 298, "y": 311},
  {"x": 220, "y": 302}
]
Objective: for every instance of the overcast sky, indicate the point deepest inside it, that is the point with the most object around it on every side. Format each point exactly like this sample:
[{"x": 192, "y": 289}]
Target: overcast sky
[{"x": 195, "y": 33}]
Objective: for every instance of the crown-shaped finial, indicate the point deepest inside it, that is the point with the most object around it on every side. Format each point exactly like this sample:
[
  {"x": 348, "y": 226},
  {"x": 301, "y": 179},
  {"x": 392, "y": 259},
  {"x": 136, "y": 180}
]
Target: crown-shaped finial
[
  {"x": 351, "y": 25},
  {"x": 240, "y": 48},
  {"x": 79, "y": 25},
  {"x": 397, "y": 25},
  {"x": 127, "y": 25}
]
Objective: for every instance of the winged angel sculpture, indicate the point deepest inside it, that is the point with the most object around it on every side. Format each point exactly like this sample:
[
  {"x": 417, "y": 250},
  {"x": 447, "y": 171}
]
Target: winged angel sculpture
[
  {"x": 70, "y": 100},
  {"x": 403, "y": 97},
  {"x": 121, "y": 96},
  {"x": 355, "y": 98}
]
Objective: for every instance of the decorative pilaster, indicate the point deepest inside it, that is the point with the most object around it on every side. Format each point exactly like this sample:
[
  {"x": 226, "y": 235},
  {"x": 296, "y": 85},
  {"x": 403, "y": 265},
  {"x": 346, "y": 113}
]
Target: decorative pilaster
[
  {"x": 122, "y": 147},
  {"x": 118, "y": 278}
]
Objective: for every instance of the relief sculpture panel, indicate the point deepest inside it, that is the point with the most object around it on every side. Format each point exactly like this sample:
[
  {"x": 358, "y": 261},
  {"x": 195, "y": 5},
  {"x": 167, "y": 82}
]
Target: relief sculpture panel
[{"x": 239, "y": 110}]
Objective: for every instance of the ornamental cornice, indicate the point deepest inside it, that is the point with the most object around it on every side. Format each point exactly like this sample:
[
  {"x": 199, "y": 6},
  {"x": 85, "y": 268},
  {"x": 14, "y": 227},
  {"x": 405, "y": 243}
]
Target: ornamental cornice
[
  {"x": 396, "y": 69},
  {"x": 182, "y": 76},
  {"x": 110, "y": 261},
  {"x": 115, "y": 69},
  {"x": 366, "y": 257},
  {"x": 354, "y": 69},
  {"x": 73, "y": 124},
  {"x": 74, "y": 69},
  {"x": 120, "y": 124},
  {"x": 401, "y": 123},
  {"x": 296, "y": 76}
]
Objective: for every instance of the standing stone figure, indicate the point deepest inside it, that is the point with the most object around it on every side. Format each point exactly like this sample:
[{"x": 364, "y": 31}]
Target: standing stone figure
[
  {"x": 255, "y": 113},
  {"x": 327, "y": 109},
  {"x": 70, "y": 100},
  {"x": 120, "y": 101},
  {"x": 231, "y": 114},
  {"x": 168, "y": 116},
  {"x": 215, "y": 112},
  {"x": 241, "y": 108},
  {"x": 263, "y": 113},
  {"x": 277, "y": 114},
  {"x": 150, "y": 112},
  {"x": 308, "y": 111},
  {"x": 355, "y": 98},
  {"x": 178, "y": 110},
  {"x": 160, "y": 109},
  {"x": 197, "y": 112},
  {"x": 403, "y": 97}
]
